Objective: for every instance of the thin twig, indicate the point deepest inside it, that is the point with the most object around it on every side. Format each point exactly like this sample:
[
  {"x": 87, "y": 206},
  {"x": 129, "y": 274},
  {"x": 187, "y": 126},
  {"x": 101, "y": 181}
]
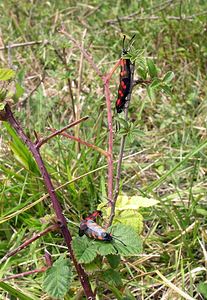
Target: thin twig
[
  {"x": 180, "y": 18},
  {"x": 24, "y": 44},
  {"x": 85, "y": 53},
  {"x": 106, "y": 80},
  {"x": 89, "y": 145},
  {"x": 110, "y": 141},
  {"x": 46, "y": 139},
  {"x": 29, "y": 241},
  {"x": 43, "y": 269},
  {"x": 78, "y": 104}
]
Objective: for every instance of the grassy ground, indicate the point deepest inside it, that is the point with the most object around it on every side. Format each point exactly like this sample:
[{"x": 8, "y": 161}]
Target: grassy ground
[{"x": 169, "y": 158}]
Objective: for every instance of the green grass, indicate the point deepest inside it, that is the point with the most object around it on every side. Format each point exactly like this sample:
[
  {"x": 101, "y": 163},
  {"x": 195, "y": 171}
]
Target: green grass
[{"x": 170, "y": 164}]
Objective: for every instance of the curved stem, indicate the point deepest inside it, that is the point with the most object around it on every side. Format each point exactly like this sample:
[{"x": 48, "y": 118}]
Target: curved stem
[{"x": 56, "y": 205}]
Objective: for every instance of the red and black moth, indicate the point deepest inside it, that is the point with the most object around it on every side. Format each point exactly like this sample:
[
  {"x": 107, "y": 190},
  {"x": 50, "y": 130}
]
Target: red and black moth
[
  {"x": 125, "y": 79},
  {"x": 91, "y": 229}
]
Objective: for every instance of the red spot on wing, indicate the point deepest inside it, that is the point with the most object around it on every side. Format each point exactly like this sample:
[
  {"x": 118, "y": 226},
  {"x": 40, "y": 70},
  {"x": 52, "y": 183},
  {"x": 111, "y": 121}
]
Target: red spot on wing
[
  {"x": 123, "y": 85},
  {"x": 118, "y": 102}
]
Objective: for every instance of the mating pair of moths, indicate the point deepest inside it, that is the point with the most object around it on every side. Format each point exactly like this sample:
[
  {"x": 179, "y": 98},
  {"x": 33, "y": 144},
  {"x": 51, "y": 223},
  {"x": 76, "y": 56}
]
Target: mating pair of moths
[
  {"x": 125, "y": 79},
  {"x": 88, "y": 225}
]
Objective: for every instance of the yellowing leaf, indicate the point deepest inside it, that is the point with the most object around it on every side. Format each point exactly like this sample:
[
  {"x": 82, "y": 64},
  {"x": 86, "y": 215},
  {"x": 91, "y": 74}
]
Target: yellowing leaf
[
  {"x": 134, "y": 202},
  {"x": 131, "y": 218},
  {"x": 146, "y": 202}
]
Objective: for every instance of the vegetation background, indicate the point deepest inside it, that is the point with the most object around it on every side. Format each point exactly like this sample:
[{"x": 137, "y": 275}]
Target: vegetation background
[{"x": 166, "y": 161}]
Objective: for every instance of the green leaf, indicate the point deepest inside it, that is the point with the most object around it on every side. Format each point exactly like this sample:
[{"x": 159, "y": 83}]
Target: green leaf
[
  {"x": 167, "y": 90},
  {"x": 21, "y": 152},
  {"x": 19, "y": 92},
  {"x": 150, "y": 92},
  {"x": 14, "y": 292},
  {"x": 85, "y": 251},
  {"x": 137, "y": 132},
  {"x": 131, "y": 218},
  {"x": 201, "y": 211},
  {"x": 151, "y": 68},
  {"x": 202, "y": 288},
  {"x": 114, "y": 260},
  {"x": 58, "y": 278},
  {"x": 142, "y": 73},
  {"x": 125, "y": 202},
  {"x": 122, "y": 121},
  {"x": 112, "y": 277},
  {"x": 156, "y": 83},
  {"x": 168, "y": 77},
  {"x": 2, "y": 105},
  {"x": 106, "y": 248},
  {"x": 95, "y": 265},
  {"x": 128, "y": 236},
  {"x": 3, "y": 94},
  {"x": 6, "y": 74}
]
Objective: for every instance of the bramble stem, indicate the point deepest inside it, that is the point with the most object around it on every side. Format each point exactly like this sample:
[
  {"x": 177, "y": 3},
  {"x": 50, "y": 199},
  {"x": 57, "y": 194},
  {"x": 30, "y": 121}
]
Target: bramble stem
[{"x": 56, "y": 205}]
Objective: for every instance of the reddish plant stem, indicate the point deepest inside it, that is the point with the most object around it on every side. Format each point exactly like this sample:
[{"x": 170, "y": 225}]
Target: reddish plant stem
[
  {"x": 29, "y": 241},
  {"x": 80, "y": 141},
  {"x": 45, "y": 140},
  {"x": 110, "y": 141},
  {"x": 56, "y": 205},
  {"x": 23, "y": 274},
  {"x": 105, "y": 80}
]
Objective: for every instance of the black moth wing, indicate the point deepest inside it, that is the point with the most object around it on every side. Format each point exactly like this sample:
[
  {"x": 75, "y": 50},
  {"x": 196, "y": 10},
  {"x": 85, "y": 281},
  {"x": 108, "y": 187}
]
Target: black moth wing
[
  {"x": 83, "y": 228},
  {"x": 81, "y": 232}
]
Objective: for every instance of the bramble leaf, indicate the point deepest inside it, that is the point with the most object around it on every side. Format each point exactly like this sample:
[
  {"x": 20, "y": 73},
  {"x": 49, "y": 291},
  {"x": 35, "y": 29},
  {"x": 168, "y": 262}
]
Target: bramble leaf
[
  {"x": 135, "y": 202},
  {"x": 106, "y": 248},
  {"x": 130, "y": 217},
  {"x": 132, "y": 243},
  {"x": 113, "y": 260},
  {"x": 58, "y": 278},
  {"x": 85, "y": 251},
  {"x": 112, "y": 277}
]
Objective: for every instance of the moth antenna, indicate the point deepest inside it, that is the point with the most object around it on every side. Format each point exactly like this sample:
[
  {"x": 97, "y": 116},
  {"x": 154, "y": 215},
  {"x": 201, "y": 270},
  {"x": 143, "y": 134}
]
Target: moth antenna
[
  {"x": 116, "y": 249},
  {"x": 119, "y": 241},
  {"x": 131, "y": 41},
  {"x": 124, "y": 40}
]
